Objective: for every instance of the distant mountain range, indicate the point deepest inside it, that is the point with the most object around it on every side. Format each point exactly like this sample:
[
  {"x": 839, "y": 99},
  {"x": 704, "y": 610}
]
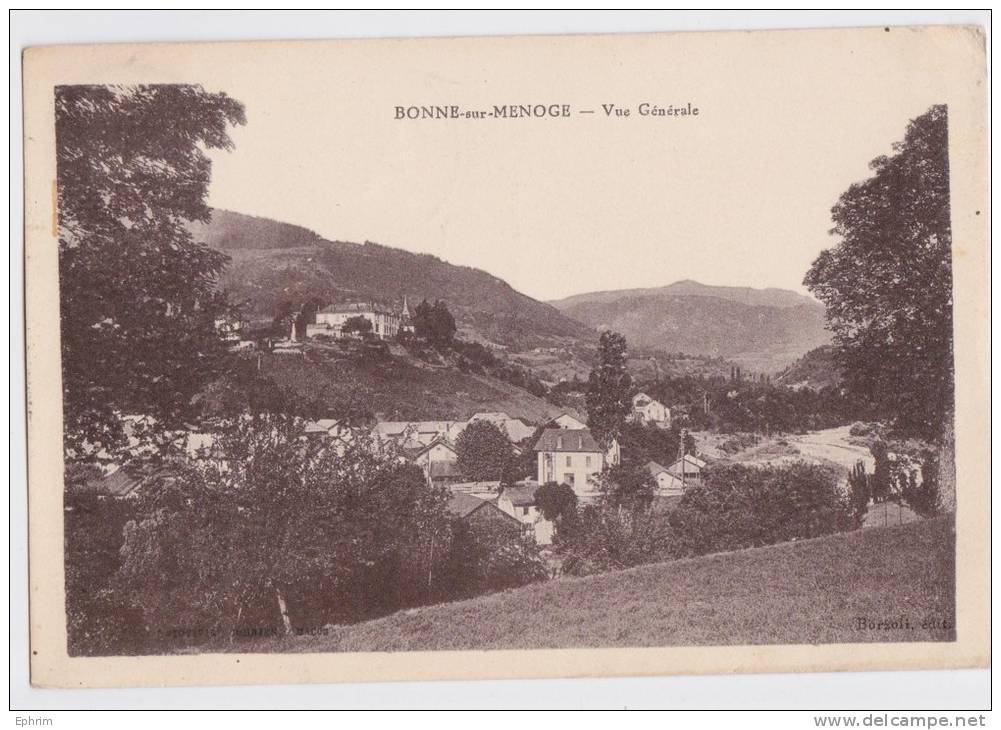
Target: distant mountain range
[
  {"x": 273, "y": 262},
  {"x": 687, "y": 288},
  {"x": 763, "y": 330}
]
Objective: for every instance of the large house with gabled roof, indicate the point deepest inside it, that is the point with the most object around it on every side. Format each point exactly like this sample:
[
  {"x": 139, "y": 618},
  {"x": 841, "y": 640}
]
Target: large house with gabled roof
[{"x": 572, "y": 456}]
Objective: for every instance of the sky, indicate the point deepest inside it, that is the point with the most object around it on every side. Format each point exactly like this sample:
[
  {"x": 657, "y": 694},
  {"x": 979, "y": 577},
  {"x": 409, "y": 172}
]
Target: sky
[{"x": 738, "y": 195}]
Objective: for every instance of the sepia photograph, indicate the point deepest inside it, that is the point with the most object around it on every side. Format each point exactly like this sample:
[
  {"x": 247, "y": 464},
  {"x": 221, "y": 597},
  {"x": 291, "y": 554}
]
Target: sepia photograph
[{"x": 506, "y": 344}]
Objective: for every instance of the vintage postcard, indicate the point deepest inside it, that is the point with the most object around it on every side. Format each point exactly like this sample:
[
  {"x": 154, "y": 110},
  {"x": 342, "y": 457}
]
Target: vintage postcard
[{"x": 508, "y": 357}]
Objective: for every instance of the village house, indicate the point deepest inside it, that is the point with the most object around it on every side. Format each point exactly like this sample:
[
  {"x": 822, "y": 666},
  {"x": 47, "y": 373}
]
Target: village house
[
  {"x": 648, "y": 410},
  {"x": 230, "y": 328},
  {"x": 123, "y": 483},
  {"x": 515, "y": 429},
  {"x": 330, "y": 320},
  {"x": 423, "y": 432},
  {"x": 439, "y": 451},
  {"x": 565, "y": 420},
  {"x": 688, "y": 469},
  {"x": 476, "y": 512},
  {"x": 518, "y": 501},
  {"x": 668, "y": 484},
  {"x": 333, "y": 431},
  {"x": 427, "y": 431},
  {"x": 444, "y": 474},
  {"x": 573, "y": 457}
]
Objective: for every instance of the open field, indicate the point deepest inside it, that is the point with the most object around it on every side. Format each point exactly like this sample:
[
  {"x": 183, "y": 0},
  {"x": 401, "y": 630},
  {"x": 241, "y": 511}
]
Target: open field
[{"x": 813, "y": 591}]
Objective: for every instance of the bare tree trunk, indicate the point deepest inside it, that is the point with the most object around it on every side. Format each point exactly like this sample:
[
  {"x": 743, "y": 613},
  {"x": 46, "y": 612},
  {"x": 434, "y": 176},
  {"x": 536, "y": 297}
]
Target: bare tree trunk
[
  {"x": 431, "y": 564},
  {"x": 239, "y": 614},
  {"x": 283, "y": 610}
]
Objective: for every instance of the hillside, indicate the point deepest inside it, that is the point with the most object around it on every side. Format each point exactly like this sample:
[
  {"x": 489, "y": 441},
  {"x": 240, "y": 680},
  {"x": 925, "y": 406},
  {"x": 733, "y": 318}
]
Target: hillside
[
  {"x": 396, "y": 388},
  {"x": 816, "y": 369},
  {"x": 273, "y": 262},
  {"x": 738, "y": 326},
  {"x": 807, "y": 592}
]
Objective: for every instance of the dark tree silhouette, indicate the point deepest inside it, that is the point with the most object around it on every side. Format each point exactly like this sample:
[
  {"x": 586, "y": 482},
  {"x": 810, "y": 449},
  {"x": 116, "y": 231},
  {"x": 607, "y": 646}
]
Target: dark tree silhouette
[
  {"x": 608, "y": 388},
  {"x": 307, "y": 315},
  {"x": 556, "y": 501},
  {"x": 484, "y": 452},
  {"x": 888, "y": 283},
  {"x": 434, "y": 323},
  {"x": 358, "y": 324},
  {"x": 138, "y": 297}
]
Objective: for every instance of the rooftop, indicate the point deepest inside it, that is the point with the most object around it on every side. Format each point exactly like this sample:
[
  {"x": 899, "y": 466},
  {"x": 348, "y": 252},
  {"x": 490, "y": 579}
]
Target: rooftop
[
  {"x": 521, "y": 495},
  {"x": 357, "y": 307},
  {"x": 689, "y": 459},
  {"x": 568, "y": 439},
  {"x": 120, "y": 483},
  {"x": 654, "y": 468},
  {"x": 463, "y": 505}
]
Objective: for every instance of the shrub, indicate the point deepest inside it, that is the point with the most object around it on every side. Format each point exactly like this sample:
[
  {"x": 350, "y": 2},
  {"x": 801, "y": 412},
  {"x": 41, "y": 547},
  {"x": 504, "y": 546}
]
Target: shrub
[
  {"x": 738, "y": 507},
  {"x": 486, "y": 557},
  {"x": 739, "y": 442},
  {"x": 924, "y": 498},
  {"x": 356, "y": 325},
  {"x": 600, "y": 539},
  {"x": 98, "y": 620},
  {"x": 859, "y": 491},
  {"x": 881, "y": 483}
]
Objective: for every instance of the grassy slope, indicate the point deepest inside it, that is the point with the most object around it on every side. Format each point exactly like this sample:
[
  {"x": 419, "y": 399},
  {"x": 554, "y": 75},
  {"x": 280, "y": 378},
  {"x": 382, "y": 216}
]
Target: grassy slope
[
  {"x": 401, "y": 391},
  {"x": 808, "y": 592}
]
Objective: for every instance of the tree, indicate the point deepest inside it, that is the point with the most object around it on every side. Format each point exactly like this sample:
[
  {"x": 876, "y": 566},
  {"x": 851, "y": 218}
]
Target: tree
[
  {"x": 629, "y": 487},
  {"x": 888, "y": 284},
  {"x": 284, "y": 315},
  {"x": 556, "y": 501},
  {"x": 307, "y": 315},
  {"x": 423, "y": 320},
  {"x": 599, "y": 539},
  {"x": 645, "y": 442},
  {"x": 282, "y": 532},
  {"x": 484, "y": 452},
  {"x": 434, "y": 323},
  {"x": 138, "y": 297},
  {"x": 358, "y": 324},
  {"x": 608, "y": 389},
  {"x": 485, "y": 556},
  {"x": 444, "y": 325}
]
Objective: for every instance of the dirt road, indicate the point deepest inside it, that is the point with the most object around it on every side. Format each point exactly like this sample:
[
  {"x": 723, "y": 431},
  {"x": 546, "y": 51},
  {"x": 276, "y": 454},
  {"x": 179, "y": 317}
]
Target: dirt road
[{"x": 833, "y": 444}]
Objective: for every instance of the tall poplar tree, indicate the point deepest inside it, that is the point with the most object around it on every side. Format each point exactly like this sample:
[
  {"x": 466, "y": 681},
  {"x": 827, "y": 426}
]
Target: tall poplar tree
[{"x": 608, "y": 389}]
